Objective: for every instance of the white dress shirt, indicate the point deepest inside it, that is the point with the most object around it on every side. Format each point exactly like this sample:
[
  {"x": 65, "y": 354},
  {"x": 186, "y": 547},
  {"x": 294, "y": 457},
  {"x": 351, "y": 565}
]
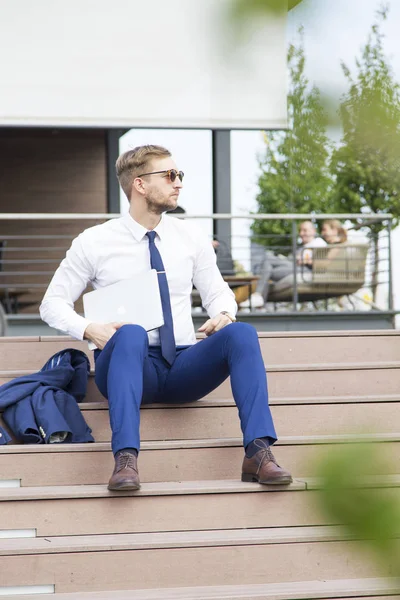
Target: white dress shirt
[
  {"x": 119, "y": 249},
  {"x": 317, "y": 242},
  {"x": 305, "y": 253}
]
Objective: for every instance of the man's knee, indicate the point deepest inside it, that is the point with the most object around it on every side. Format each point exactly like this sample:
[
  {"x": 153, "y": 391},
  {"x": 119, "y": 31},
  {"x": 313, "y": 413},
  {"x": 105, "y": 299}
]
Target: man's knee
[
  {"x": 240, "y": 333},
  {"x": 130, "y": 337}
]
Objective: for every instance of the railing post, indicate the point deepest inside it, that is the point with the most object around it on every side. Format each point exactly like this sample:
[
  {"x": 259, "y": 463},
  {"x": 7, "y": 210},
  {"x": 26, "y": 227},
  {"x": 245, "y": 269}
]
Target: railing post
[
  {"x": 390, "y": 290},
  {"x": 294, "y": 252}
]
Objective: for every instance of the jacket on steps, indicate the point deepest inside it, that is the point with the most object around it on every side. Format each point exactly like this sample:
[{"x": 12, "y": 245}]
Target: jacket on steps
[{"x": 42, "y": 408}]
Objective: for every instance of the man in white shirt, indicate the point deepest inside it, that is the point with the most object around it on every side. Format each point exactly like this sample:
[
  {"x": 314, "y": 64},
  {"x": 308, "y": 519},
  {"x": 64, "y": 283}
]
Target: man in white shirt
[
  {"x": 309, "y": 239},
  {"x": 275, "y": 268},
  {"x": 166, "y": 365}
]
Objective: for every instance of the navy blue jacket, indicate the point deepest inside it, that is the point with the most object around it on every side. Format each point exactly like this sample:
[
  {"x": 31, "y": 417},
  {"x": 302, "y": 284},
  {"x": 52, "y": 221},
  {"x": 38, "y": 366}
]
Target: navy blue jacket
[{"x": 38, "y": 406}]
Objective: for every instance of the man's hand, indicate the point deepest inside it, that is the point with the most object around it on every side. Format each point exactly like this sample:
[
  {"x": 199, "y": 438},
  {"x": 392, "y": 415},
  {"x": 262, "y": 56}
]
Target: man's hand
[
  {"x": 213, "y": 325},
  {"x": 100, "y": 333}
]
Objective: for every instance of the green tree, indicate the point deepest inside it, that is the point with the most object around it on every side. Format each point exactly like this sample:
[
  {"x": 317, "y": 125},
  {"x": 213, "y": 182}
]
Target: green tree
[
  {"x": 295, "y": 169},
  {"x": 366, "y": 166}
]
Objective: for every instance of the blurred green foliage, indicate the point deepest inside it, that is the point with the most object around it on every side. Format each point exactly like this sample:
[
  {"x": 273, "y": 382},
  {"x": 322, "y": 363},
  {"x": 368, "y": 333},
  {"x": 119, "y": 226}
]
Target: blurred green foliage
[
  {"x": 352, "y": 495},
  {"x": 242, "y": 15},
  {"x": 244, "y": 8}
]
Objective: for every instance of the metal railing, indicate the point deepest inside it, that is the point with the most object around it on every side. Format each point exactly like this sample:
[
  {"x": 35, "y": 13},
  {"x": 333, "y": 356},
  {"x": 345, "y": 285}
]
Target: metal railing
[{"x": 27, "y": 262}]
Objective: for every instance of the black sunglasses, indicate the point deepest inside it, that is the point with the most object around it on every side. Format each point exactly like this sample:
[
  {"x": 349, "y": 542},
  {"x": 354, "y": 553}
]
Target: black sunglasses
[{"x": 171, "y": 173}]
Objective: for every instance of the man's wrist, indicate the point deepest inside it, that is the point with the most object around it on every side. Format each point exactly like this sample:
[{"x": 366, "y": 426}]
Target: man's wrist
[
  {"x": 86, "y": 334},
  {"x": 231, "y": 317}
]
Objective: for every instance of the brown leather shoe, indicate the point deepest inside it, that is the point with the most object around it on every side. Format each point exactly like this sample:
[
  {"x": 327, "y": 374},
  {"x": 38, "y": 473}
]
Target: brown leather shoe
[
  {"x": 125, "y": 475},
  {"x": 263, "y": 468}
]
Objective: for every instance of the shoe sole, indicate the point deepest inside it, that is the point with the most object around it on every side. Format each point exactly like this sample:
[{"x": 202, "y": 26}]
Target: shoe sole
[
  {"x": 124, "y": 487},
  {"x": 249, "y": 478}
]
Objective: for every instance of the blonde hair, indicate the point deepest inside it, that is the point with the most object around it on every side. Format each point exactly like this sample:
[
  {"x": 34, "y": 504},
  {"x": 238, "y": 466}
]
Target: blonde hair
[
  {"x": 135, "y": 162},
  {"x": 341, "y": 231}
]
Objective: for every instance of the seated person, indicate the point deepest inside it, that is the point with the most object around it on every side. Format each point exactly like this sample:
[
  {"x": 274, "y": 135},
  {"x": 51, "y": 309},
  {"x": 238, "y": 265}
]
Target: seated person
[
  {"x": 309, "y": 239},
  {"x": 333, "y": 232},
  {"x": 224, "y": 257},
  {"x": 275, "y": 268}
]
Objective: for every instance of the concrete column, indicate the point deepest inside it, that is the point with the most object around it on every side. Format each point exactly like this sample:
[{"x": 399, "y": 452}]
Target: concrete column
[{"x": 221, "y": 150}]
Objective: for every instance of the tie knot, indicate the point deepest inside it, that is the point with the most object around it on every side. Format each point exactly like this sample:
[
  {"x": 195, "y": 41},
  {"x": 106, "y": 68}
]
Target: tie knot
[{"x": 151, "y": 235}]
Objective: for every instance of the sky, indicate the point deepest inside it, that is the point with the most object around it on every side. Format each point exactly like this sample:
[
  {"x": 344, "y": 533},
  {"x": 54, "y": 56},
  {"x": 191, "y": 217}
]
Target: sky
[
  {"x": 336, "y": 31},
  {"x": 333, "y": 32}
]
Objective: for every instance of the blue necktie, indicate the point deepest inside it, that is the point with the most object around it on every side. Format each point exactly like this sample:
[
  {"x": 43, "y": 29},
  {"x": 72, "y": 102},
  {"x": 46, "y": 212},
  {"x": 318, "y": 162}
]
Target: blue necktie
[{"x": 167, "y": 339}]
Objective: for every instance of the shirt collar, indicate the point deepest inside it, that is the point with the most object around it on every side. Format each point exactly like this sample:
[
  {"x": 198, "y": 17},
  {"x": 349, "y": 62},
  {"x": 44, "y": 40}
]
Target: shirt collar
[{"x": 138, "y": 231}]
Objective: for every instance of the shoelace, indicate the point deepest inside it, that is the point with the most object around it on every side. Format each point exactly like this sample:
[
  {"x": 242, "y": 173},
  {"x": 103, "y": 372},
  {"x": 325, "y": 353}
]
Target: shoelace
[
  {"x": 266, "y": 456},
  {"x": 126, "y": 460}
]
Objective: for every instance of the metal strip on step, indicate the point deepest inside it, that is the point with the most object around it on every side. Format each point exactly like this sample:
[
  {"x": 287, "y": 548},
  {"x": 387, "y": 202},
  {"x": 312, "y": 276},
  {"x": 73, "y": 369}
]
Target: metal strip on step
[
  {"x": 10, "y": 483},
  {"x": 26, "y": 589},
  {"x": 11, "y": 534}
]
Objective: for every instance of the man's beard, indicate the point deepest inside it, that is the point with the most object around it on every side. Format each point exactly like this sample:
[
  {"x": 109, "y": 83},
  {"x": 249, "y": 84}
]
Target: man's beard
[{"x": 158, "y": 204}]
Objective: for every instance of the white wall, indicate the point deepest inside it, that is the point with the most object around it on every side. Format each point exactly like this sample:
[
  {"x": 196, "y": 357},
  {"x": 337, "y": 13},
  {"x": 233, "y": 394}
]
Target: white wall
[{"x": 139, "y": 63}]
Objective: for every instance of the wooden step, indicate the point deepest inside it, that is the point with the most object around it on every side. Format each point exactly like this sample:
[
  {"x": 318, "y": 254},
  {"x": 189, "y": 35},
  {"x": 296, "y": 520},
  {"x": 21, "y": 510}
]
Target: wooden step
[
  {"x": 173, "y": 539},
  {"x": 298, "y": 590},
  {"x": 278, "y": 348},
  {"x": 84, "y": 510},
  {"x": 302, "y": 381},
  {"x": 15, "y": 552},
  {"x": 183, "y": 460},
  {"x": 190, "y": 566},
  {"x": 170, "y": 506},
  {"x": 202, "y": 422}
]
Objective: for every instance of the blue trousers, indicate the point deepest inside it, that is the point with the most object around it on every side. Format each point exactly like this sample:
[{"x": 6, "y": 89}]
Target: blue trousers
[{"x": 129, "y": 373}]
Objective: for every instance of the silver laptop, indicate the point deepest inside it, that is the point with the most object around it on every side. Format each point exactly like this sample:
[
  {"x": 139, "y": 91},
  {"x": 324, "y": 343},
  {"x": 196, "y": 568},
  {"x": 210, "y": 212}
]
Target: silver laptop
[{"x": 134, "y": 300}]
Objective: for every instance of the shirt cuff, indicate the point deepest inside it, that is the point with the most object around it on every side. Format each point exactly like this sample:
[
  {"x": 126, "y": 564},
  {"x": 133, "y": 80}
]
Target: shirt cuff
[
  {"x": 227, "y": 306},
  {"x": 77, "y": 326}
]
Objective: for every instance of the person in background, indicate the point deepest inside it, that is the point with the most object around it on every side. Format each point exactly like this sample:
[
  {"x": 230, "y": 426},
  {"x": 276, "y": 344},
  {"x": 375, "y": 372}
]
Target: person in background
[
  {"x": 275, "y": 268},
  {"x": 309, "y": 240},
  {"x": 333, "y": 232}
]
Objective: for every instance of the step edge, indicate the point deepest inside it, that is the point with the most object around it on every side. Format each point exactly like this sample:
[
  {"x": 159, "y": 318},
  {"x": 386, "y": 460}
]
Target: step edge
[
  {"x": 275, "y": 334},
  {"x": 180, "y": 488},
  {"x": 230, "y": 403},
  {"x": 184, "y": 488},
  {"x": 297, "y": 590},
  {"x": 175, "y": 539},
  {"x": 366, "y": 482},
  {"x": 311, "y": 440},
  {"x": 274, "y": 368},
  {"x": 285, "y": 401}
]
